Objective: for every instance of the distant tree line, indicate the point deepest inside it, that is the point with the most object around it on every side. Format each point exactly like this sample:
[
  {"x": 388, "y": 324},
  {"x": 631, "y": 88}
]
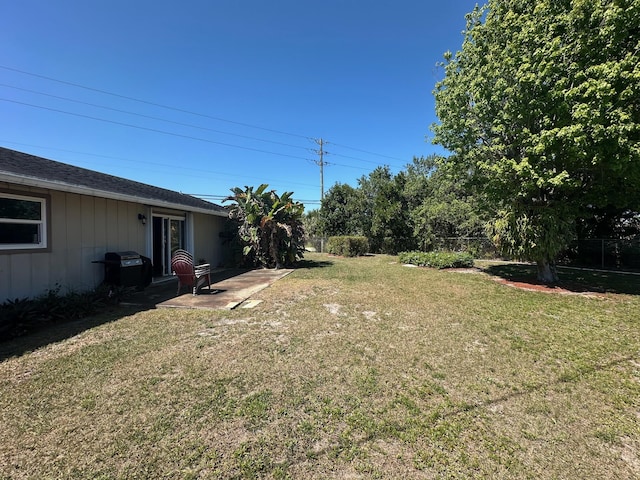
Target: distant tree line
[
  {"x": 428, "y": 201},
  {"x": 406, "y": 211}
]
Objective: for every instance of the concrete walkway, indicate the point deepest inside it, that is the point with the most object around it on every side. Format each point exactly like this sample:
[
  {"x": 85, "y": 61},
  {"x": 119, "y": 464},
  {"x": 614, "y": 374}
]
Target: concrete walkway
[{"x": 228, "y": 292}]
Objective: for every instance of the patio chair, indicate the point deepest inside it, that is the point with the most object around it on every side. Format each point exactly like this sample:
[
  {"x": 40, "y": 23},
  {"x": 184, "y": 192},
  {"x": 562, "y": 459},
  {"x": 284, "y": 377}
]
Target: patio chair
[{"x": 188, "y": 274}]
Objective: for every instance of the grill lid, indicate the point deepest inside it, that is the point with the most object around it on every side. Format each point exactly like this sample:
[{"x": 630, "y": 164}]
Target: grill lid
[{"x": 125, "y": 259}]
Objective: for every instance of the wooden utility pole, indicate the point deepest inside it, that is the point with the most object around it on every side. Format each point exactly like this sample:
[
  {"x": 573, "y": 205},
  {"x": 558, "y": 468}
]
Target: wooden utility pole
[{"x": 321, "y": 163}]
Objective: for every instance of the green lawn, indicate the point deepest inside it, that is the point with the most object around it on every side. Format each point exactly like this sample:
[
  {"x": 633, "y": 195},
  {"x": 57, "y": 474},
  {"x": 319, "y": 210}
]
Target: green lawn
[{"x": 349, "y": 368}]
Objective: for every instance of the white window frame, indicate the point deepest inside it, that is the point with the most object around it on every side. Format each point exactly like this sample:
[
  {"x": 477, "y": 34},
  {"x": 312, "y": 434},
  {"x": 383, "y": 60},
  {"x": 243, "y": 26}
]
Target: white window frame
[{"x": 43, "y": 223}]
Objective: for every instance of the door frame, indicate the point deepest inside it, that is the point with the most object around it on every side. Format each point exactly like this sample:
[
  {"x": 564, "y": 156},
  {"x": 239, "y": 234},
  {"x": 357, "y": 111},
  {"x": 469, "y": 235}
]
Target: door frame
[{"x": 162, "y": 243}]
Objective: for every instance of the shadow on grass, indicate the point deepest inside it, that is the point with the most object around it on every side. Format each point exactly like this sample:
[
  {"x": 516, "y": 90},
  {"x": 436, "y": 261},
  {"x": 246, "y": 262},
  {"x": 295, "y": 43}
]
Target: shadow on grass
[
  {"x": 574, "y": 280},
  {"x": 305, "y": 263},
  {"x": 130, "y": 303},
  {"x": 56, "y": 332}
]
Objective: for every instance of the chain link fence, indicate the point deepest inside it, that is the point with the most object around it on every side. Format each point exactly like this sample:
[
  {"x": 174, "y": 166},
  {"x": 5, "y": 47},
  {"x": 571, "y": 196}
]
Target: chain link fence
[
  {"x": 479, "y": 247},
  {"x": 602, "y": 253},
  {"x": 605, "y": 254},
  {"x": 316, "y": 244}
]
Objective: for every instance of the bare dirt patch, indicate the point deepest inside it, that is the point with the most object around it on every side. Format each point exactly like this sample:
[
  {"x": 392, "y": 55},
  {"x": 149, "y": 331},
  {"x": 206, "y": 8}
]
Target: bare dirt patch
[
  {"x": 541, "y": 287},
  {"x": 333, "y": 308},
  {"x": 465, "y": 270}
]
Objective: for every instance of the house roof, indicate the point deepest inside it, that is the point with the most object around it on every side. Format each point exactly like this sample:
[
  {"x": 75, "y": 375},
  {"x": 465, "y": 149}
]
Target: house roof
[{"x": 25, "y": 169}]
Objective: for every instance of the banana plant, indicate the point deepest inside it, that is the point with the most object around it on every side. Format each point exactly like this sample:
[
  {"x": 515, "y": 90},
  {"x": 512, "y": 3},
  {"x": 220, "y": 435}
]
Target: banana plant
[{"x": 270, "y": 226}]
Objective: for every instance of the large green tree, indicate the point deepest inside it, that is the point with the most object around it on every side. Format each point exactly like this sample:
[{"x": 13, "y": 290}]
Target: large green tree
[
  {"x": 269, "y": 225},
  {"x": 385, "y": 212},
  {"x": 340, "y": 211},
  {"x": 440, "y": 205},
  {"x": 542, "y": 107}
]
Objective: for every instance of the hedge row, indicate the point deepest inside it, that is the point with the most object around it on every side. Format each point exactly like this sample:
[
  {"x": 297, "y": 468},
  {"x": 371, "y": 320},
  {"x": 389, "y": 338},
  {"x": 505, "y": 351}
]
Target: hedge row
[
  {"x": 348, "y": 246},
  {"x": 437, "y": 259}
]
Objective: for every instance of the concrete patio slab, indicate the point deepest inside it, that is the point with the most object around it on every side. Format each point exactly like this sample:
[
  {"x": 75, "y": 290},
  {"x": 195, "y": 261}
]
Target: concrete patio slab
[{"x": 227, "y": 294}]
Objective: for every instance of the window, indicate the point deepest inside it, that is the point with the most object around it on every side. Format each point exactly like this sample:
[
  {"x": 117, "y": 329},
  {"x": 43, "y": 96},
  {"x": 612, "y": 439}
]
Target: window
[{"x": 23, "y": 222}]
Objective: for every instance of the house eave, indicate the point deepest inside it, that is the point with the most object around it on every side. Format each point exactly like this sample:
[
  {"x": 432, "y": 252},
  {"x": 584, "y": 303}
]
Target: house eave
[{"x": 82, "y": 190}]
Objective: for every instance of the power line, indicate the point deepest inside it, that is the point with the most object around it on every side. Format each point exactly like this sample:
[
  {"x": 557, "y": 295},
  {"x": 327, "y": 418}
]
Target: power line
[
  {"x": 321, "y": 151},
  {"x": 155, "y": 130},
  {"x": 176, "y": 109},
  {"x": 223, "y": 197},
  {"x": 360, "y": 159},
  {"x": 366, "y": 151},
  {"x": 151, "y": 117},
  {"x": 155, "y": 164},
  {"x": 345, "y": 166},
  {"x": 146, "y": 102},
  {"x": 164, "y": 132},
  {"x": 321, "y": 162},
  {"x": 175, "y": 123}
]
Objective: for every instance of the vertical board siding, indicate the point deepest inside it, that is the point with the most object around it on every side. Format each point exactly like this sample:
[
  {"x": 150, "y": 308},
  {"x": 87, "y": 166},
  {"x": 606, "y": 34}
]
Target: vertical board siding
[
  {"x": 112, "y": 225},
  {"x": 57, "y": 261},
  {"x": 40, "y": 272},
  {"x": 100, "y": 222},
  {"x": 71, "y": 250},
  {"x": 88, "y": 217},
  {"x": 83, "y": 229},
  {"x": 207, "y": 242},
  {"x": 20, "y": 274},
  {"x": 137, "y": 231},
  {"x": 100, "y": 242}
]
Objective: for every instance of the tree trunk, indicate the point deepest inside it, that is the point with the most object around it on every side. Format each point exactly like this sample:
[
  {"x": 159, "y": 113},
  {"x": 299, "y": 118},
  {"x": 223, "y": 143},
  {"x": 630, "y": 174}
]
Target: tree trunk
[
  {"x": 547, "y": 272},
  {"x": 273, "y": 246}
]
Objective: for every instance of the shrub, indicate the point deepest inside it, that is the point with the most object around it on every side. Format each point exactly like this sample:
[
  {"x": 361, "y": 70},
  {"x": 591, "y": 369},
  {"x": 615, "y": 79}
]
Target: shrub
[
  {"x": 22, "y": 315},
  {"x": 437, "y": 259},
  {"x": 348, "y": 246}
]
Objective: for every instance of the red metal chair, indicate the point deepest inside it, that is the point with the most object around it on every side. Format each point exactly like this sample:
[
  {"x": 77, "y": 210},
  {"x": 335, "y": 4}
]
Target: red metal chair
[{"x": 188, "y": 274}]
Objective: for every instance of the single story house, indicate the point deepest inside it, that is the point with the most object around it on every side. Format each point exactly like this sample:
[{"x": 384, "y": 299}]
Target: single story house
[{"x": 57, "y": 220}]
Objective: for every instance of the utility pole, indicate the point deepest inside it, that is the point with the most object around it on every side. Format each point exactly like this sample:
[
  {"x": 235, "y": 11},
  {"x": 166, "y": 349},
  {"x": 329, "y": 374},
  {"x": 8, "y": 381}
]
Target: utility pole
[{"x": 321, "y": 163}]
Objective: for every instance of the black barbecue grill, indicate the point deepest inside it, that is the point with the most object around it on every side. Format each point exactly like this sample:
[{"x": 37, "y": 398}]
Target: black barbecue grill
[{"x": 127, "y": 269}]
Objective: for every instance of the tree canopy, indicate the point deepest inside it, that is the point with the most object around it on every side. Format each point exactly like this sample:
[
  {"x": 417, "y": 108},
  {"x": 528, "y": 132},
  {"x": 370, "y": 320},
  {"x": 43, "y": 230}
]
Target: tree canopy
[
  {"x": 384, "y": 212},
  {"x": 440, "y": 204},
  {"x": 404, "y": 211},
  {"x": 541, "y": 106},
  {"x": 339, "y": 212}
]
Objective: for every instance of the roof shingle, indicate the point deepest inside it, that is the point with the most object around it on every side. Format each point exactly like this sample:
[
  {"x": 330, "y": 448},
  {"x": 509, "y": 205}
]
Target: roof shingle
[{"x": 67, "y": 176}]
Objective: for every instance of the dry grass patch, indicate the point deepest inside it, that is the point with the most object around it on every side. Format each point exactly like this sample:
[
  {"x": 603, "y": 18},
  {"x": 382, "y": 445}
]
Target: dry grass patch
[{"x": 357, "y": 369}]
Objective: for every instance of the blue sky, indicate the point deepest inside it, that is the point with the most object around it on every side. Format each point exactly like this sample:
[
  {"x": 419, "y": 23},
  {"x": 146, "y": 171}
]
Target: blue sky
[{"x": 200, "y": 96}]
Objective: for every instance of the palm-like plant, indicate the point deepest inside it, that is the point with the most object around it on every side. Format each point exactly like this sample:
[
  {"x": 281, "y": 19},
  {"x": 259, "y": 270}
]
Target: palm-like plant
[{"x": 270, "y": 226}]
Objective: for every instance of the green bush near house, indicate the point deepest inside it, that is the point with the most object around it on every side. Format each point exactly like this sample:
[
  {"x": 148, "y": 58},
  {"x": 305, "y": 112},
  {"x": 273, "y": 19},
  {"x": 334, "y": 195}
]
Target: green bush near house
[
  {"x": 348, "y": 246},
  {"x": 24, "y": 315},
  {"x": 437, "y": 259}
]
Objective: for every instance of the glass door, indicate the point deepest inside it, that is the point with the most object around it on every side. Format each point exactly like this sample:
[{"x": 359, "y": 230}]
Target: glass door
[{"x": 168, "y": 236}]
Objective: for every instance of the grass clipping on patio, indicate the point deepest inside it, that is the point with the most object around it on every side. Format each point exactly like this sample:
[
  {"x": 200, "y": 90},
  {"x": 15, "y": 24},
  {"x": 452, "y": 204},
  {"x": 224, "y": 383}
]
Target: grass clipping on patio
[{"x": 351, "y": 368}]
